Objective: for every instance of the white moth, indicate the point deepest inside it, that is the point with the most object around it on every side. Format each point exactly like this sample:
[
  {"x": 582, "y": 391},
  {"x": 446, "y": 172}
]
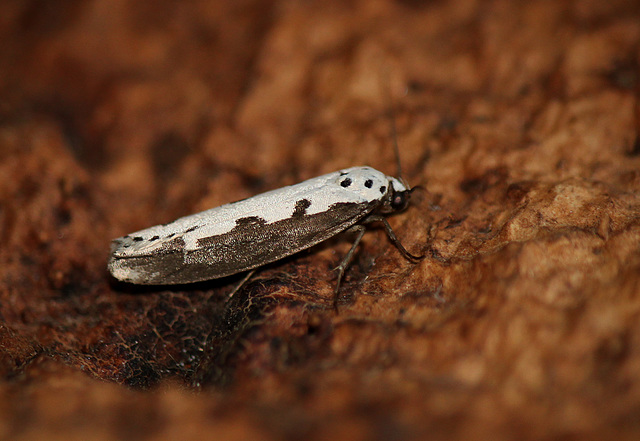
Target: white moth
[{"x": 250, "y": 233}]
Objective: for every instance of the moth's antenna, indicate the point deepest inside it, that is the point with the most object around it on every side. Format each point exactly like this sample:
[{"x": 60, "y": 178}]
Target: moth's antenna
[
  {"x": 393, "y": 129},
  {"x": 394, "y": 137}
]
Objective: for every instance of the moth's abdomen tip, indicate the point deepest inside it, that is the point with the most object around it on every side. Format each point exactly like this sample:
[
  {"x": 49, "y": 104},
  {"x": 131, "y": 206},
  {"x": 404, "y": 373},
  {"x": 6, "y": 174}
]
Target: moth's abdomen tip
[
  {"x": 116, "y": 270},
  {"x": 122, "y": 272},
  {"x": 118, "y": 264},
  {"x": 114, "y": 265}
]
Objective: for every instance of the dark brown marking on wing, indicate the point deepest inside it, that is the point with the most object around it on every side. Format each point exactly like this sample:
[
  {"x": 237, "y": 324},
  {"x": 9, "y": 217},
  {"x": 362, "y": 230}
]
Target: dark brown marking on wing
[
  {"x": 248, "y": 221},
  {"x": 301, "y": 208}
]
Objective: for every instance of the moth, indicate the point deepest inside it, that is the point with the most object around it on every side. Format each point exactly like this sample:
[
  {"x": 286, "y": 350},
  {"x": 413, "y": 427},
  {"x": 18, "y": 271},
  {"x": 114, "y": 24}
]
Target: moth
[{"x": 253, "y": 232}]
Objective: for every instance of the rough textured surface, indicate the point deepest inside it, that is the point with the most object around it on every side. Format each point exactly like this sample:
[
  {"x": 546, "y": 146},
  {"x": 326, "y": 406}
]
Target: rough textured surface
[{"x": 521, "y": 120}]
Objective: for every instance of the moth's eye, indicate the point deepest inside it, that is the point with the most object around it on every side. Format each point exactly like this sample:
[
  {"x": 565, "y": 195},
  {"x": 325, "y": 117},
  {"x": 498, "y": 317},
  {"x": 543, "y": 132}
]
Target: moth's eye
[{"x": 399, "y": 201}]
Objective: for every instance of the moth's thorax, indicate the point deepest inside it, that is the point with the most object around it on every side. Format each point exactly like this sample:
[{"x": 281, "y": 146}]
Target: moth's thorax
[{"x": 367, "y": 182}]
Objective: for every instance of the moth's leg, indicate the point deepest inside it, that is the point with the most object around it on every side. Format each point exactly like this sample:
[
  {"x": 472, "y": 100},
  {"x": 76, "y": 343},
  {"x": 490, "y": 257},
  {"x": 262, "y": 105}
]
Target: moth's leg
[
  {"x": 393, "y": 237},
  {"x": 241, "y": 284},
  {"x": 359, "y": 230}
]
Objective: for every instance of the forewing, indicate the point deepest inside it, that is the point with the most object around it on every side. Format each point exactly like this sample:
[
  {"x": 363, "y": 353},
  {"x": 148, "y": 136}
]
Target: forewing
[{"x": 200, "y": 252}]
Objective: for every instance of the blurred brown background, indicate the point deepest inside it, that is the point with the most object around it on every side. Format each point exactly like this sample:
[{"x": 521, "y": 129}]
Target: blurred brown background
[{"x": 521, "y": 121}]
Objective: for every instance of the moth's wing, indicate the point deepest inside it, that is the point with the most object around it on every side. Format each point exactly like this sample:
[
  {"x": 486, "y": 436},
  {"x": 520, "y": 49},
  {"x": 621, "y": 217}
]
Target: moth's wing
[
  {"x": 249, "y": 245},
  {"x": 193, "y": 249}
]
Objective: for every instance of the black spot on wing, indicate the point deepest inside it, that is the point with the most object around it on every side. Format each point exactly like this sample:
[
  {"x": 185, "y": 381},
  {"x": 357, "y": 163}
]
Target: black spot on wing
[
  {"x": 154, "y": 238},
  {"x": 368, "y": 183},
  {"x": 383, "y": 189},
  {"x": 346, "y": 182},
  {"x": 138, "y": 239},
  {"x": 189, "y": 230},
  {"x": 301, "y": 208}
]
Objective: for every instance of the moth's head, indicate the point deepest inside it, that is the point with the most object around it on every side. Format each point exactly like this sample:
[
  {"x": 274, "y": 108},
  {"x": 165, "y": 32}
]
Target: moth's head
[{"x": 397, "y": 198}]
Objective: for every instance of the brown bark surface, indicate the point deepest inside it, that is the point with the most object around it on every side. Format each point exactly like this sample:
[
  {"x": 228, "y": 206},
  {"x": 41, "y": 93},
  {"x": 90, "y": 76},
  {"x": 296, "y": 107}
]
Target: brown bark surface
[{"x": 521, "y": 121}]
